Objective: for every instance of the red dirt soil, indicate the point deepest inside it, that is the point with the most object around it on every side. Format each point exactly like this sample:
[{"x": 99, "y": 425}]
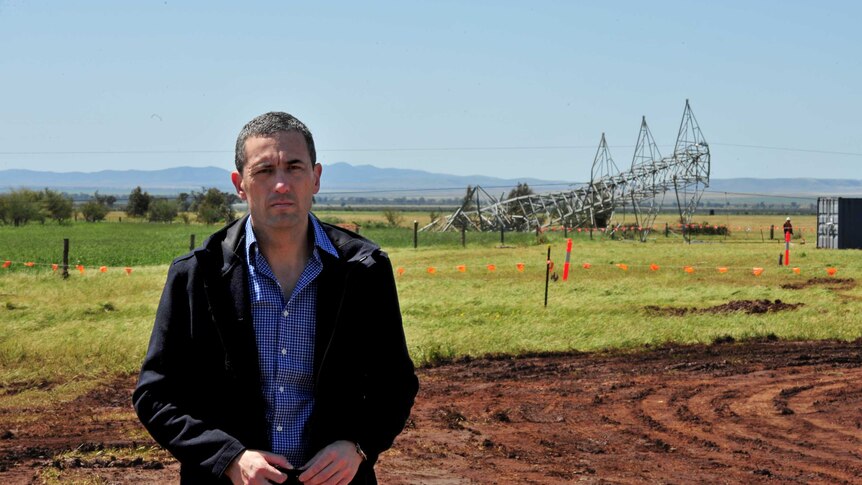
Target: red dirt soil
[{"x": 752, "y": 412}]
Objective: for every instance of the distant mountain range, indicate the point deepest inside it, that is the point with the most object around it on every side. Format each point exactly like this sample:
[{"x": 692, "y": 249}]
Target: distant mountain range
[{"x": 343, "y": 179}]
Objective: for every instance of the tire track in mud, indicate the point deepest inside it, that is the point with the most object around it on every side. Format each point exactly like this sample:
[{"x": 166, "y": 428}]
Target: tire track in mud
[
  {"x": 733, "y": 412},
  {"x": 771, "y": 422},
  {"x": 753, "y": 412}
]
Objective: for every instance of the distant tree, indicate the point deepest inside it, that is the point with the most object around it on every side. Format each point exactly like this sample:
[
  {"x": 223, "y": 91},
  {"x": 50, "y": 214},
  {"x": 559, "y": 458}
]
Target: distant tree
[
  {"x": 106, "y": 200},
  {"x": 21, "y": 206},
  {"x": 162, "y": 210},
  {"x": 468, "y": 202},
  {"x": 57, "y": 206},
  {"x": 139, "y": 202},
  {"x": 93, "y": 211},
  {"x": 520, "y": 190},
  {"x": 516, "y": 208},
  {"x": 393, "y": 217},
  {"x": 184, "y": 202},
  {"x": 212, "y": 205}
]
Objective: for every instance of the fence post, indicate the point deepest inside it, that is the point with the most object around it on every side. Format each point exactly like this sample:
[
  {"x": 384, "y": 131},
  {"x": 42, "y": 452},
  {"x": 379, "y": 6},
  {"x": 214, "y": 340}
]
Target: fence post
[
  {"x": 547, "y": 274},
  {"x": 502, "y": 236},
  {"x": 65, "y": 258},
  {"x": 192, "y": 243},
  {"x": 415, "y": 234},
  {"x": 771, "y": 232}
]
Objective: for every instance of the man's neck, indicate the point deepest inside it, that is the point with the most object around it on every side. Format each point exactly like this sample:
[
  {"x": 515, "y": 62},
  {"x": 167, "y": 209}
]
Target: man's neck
[
  {"x": 286, "y": 252},
  {"x": 284, "y": 241}
]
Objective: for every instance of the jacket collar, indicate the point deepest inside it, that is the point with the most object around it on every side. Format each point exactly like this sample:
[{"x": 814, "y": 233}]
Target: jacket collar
[{"x": 231, "y": 244}]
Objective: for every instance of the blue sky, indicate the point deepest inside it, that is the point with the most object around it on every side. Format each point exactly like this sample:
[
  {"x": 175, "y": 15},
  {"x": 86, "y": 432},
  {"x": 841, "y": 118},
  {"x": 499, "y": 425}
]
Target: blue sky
[{"x": 509, "y": 89}]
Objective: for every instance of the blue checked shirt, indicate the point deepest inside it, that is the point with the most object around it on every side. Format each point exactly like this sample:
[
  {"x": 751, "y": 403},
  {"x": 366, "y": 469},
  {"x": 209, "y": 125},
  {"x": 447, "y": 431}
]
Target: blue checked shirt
[{"x": 284, "y": 331}]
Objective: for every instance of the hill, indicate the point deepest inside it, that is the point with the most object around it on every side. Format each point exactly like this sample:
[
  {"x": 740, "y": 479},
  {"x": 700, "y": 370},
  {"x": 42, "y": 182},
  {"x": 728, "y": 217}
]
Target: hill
[
  {"x": 338, "y": 178},
  {"x": 343, "y": 179}
]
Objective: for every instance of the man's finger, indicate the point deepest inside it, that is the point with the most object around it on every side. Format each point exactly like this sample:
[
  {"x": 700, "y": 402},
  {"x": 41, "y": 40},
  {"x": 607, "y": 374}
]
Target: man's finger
[{"x": 322, "y": 471}]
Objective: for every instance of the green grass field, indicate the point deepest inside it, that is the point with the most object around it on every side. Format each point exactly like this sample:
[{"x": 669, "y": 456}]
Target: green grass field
[{"x": 77, "y": 331}]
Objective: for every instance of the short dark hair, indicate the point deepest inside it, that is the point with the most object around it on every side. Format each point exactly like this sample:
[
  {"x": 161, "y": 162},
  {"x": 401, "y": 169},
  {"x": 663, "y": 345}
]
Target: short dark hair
[{"x": 270, "y": 124}]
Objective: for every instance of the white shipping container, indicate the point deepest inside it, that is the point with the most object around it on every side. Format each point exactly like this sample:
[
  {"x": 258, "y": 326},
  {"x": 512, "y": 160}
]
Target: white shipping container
[{"x": 827, "y": 222}]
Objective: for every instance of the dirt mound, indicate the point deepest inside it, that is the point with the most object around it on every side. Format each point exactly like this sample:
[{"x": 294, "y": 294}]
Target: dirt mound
[
  {"x": 763, "y": 411},
  {"x": 745, "y": 306},
  {"x": 831, "y": 283}
]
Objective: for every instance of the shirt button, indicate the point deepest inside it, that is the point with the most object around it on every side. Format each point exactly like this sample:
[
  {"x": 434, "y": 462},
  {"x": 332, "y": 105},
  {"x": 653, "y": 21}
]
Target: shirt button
[
  {"x": 285, "y": 313},
  {"x": 278, "y": 428},
  {"x": 281, "y": 389},
  {"x": 283, "y": 351}
]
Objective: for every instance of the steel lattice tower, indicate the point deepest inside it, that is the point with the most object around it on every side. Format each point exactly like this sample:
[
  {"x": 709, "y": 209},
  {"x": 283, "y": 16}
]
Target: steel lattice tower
[{"x": 643, "y": 187}]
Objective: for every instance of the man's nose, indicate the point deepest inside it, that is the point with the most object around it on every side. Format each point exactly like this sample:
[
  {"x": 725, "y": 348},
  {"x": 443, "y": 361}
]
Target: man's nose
[{"x": 281, "y": 181}]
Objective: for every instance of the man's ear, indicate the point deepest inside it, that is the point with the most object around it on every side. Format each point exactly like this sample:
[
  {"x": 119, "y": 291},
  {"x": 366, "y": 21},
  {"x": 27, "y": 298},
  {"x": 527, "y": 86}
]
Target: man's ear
[
  {"x": 318, "y": 169},
  {"x": 236, "y": 178}
]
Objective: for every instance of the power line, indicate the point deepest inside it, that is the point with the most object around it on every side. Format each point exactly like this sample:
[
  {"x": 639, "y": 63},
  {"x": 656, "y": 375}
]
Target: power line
[
  {"x": 116, "y": 152},
  {"x": 762, "y": 195},
  {"x": 461, "y": 188},
  {"x": 412, "y": 149},
  {"x": 437, "y": 189},
  {"x": 786, "y": 149}
]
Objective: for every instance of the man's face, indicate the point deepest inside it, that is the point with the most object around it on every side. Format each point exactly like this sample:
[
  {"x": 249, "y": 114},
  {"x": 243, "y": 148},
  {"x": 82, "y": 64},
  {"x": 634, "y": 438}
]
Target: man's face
[{"x": 278, "y": 180}]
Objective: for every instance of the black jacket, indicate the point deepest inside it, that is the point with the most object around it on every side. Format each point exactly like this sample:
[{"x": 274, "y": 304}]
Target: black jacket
[{"x": 199, "y": 391}]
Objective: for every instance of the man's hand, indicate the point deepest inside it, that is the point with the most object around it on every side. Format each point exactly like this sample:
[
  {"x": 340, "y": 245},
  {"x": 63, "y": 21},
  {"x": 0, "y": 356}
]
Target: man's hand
[
  {"x": 253, "y": 467},
  {"x": 334, "y": 465}
]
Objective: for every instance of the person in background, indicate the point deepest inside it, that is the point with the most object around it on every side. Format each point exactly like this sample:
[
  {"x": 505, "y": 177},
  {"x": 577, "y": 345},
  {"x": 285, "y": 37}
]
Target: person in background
[
  {"x": 788, "y": 228},
  {"x": 278, "y": 351}
]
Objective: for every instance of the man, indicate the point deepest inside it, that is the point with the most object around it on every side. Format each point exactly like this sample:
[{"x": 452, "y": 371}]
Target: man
[
  {"x": 788, "y": 227},
  {"x": 278, "y": 346}
]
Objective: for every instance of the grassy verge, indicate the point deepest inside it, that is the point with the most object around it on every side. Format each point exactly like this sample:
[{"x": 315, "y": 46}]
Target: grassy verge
[{"x": 67, "y": 331}]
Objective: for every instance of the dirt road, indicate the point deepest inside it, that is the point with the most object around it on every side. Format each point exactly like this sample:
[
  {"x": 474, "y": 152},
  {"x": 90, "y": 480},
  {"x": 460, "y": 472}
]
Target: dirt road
[{"x": 765, "y": 411}]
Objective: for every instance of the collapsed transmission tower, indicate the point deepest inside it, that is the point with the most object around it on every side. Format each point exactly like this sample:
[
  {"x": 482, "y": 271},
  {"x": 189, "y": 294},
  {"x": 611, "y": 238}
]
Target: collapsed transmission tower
[{"x": 685, "y": 173}]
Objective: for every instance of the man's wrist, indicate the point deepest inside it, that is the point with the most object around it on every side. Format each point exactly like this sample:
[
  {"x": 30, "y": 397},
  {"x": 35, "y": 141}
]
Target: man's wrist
[{"x": 360, "y": 452}]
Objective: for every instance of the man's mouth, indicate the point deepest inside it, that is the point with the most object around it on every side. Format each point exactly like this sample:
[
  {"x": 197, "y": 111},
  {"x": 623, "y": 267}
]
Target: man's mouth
[{"x": 281, "y": 203}]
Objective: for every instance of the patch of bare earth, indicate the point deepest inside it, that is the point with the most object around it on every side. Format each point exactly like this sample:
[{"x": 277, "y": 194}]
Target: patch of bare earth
[
  {"x": 735, "y": 412},
  {"x": 829, "y": 283},
  {"x": 744, "y": 306}
]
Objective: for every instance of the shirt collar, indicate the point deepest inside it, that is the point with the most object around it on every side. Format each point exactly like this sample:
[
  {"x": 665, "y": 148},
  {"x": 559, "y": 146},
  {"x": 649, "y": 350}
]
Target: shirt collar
[{"x": 321, "y": 240}]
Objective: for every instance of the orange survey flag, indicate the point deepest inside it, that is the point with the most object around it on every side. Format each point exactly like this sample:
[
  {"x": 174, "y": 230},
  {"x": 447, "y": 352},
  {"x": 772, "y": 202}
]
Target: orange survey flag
[
  {"x": 721, "y": 269},
  {"x": 688, "y": 269},
  {"x": 653, "y": 267},
  {"x": 623, "y": 267},
  {"x": 520, "y": 267},
  {"x": 462, "y": 268},
  {"x": 757, "y": 271},
  {"x": 831, "y": 271},
  {"x": 128, "y": 271},
  {"x": 431, "y": 270},
  {"x": 492, "y": 267},
  {"x": 400, "y": 271}
]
